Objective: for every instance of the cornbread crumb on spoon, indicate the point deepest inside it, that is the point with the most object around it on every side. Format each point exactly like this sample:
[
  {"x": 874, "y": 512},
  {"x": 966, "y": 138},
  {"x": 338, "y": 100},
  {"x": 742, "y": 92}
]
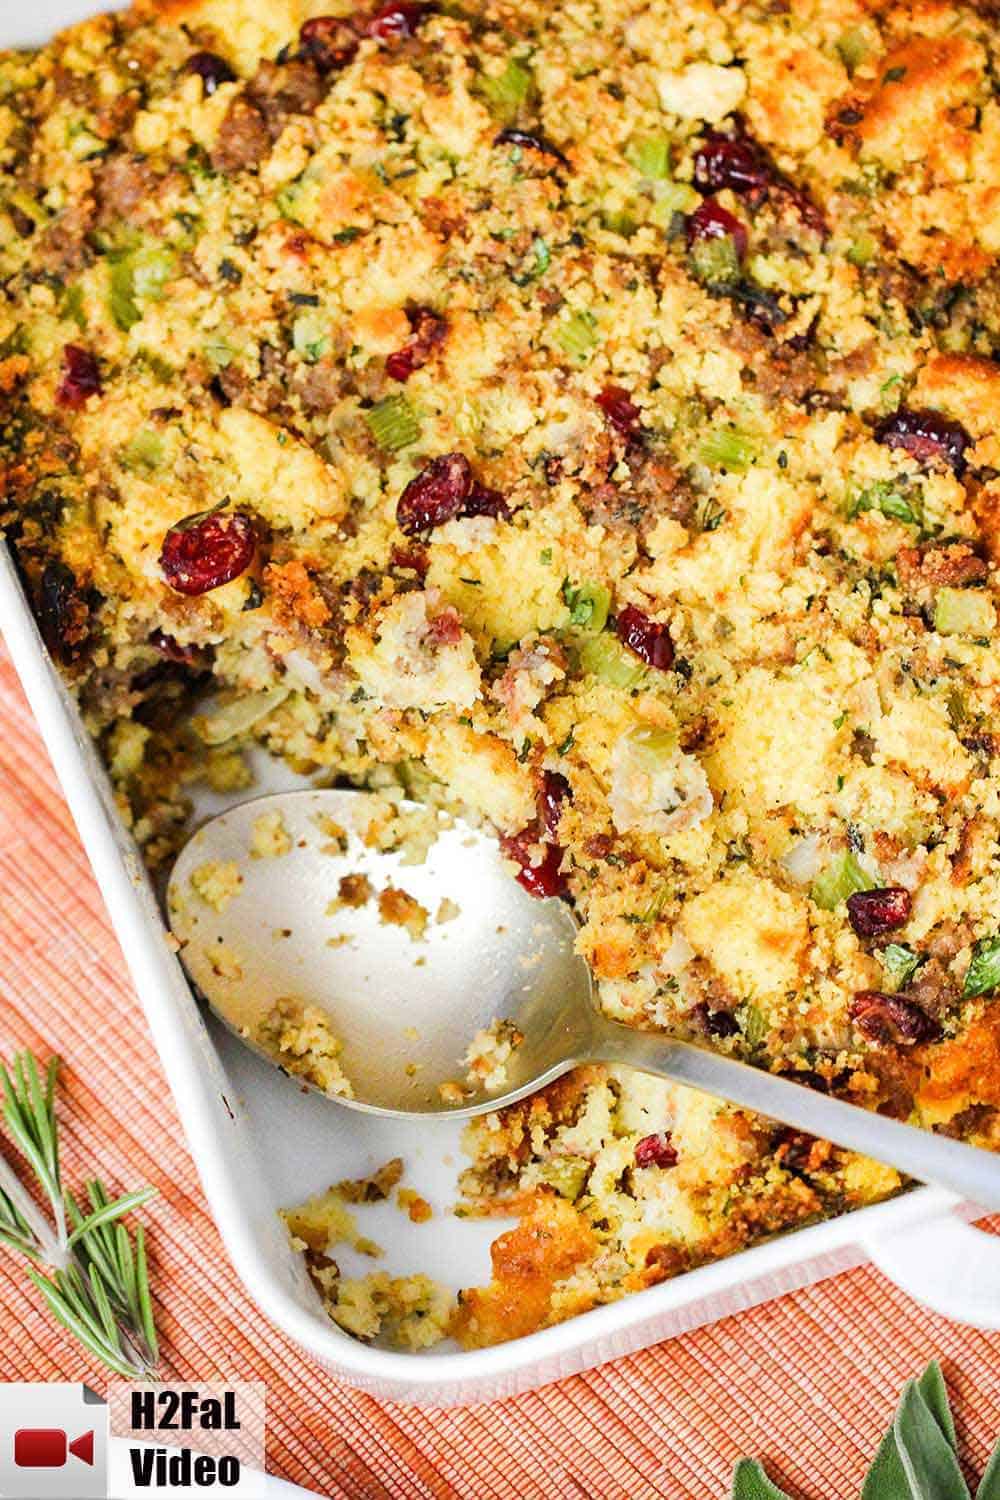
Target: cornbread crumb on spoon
[{"x": 383, "y": 1022}]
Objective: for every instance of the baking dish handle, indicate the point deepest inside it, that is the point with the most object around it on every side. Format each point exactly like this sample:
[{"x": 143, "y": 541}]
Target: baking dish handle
[{"x": 947, "y": 1264}]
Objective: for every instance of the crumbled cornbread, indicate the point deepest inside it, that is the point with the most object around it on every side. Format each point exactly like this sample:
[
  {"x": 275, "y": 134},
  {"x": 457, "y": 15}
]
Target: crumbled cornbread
[
  {"x": 585, "y": 418},
  {"x": 269, "y": 837},
  {"x": 399, "y": 909},
  {"x": 489, "y": 1053},
  {"x": 216, "y": 882},
  {"x": 353, "y": 891},
  {"x": 300, "y": 1038}
]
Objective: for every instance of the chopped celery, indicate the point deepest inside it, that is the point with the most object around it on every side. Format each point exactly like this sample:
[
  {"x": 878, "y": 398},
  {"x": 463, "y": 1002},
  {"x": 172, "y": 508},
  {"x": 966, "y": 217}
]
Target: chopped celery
[
  {"x": 651, "y": 747},
  {"x": 588, "y": 604},
  {"x": 138, "y": 276},
  {"x": 619, "y": 221},
  {"x": 393, "y": 423},
  {"x": 728, "y": 448},
  {"x": 219, "y": 352},
  {"x": 841, "y": 878},
  {"x": 964, "y": 612},
  {"x": 604, "y": 657},
  {"x": 715, "y": 261},
  {"x": 651, "y": 157},
  {"x": 144, "y": 452},
  {"x": 309, "y": 336},
  {"x": 886, "y": 497},
  {"x": 862, "y": 249},
  {"x": 753, "y": 1023},
  {"x": 900, "y": 964},
  {"x": 509, "y": 91},
  {"x": 537, "y": 266},
  {"x": 567, "y": 1174},
  {"x": 71, "y": 305},
  {"x": 982, "y": 976},
  {"x": 671, "y": 198},
  {"x": 577, "y": 334},
  {"x": 25, "y": 204},
  {"x": 853, "y": 48}
]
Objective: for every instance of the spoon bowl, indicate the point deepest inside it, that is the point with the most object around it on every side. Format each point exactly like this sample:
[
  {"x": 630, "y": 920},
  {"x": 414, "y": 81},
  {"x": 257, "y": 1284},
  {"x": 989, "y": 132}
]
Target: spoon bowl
[
  {"x": 314, "y": 926},
  {"x": 405, "y": 1005}
]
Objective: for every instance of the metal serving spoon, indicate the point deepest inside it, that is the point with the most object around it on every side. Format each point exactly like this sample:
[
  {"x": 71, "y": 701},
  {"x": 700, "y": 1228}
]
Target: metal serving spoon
[{"x": 406, "y": 1008}]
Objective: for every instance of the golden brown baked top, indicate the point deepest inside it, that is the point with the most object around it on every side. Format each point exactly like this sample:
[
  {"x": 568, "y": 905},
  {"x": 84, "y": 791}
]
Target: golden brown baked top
[{"x": 588, "y": 411}]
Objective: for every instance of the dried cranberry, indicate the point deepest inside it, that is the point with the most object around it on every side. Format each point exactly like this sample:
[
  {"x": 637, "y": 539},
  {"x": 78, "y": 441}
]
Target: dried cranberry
[
  {"x": 740, "y": 164},
  {"x": 656, "y": 1151},
  {"x": 714, "y": 1022},
  {"x": 435, "y": 495},
  {"x": 710, "y": 221},
  {"x": 887, "y": 1019},
  {"x": 483, "y": 501},
  {"x": 927, "y": 435},
  {"x": 733, "y": 162},
  {"x": 874, "y": 913},
  {"x": 544, "y": 879},
  {"x": 529, "y": 142},
  {"x": 63, "y": 612},
  {"x": 621, "y": 411},
  {"x": 395, "y": 21},
  {"x": 212, "y": 69},
  {"x": 414, "y": 558},
  {"x": 207, "y": 550},
  {"x": 328, "y": 41},
  {"x": 172, "y": 650},
  {"x": 428, "y": 330},
  {"x": 553, "y": 793},
  {"x": 650, "y": 641},
  {"x": 81, "y": 377}
]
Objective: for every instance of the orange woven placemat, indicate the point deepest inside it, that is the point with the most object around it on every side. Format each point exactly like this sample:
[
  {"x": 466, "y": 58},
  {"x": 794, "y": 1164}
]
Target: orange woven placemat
[{"x": 807, "y": 1382}]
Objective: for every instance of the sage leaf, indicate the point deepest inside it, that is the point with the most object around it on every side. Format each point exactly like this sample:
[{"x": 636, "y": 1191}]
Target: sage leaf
[
  {"x": 928, "y": 1458},
  {"x": 989, "y": 1485},
  {"x": 751, "y": 1483},
  {"x": 886, "y": 1479}
]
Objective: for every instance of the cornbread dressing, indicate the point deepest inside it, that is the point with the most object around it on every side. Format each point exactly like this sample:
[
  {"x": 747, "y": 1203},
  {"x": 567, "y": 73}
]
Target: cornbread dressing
[{"x": 584, "y": 417}]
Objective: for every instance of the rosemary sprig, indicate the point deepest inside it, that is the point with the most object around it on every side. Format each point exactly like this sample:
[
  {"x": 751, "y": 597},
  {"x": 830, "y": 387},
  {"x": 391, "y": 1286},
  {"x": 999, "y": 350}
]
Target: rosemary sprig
[
  {"x": 97, "y": 1284},
  {"x": 917, "y": 1460}
]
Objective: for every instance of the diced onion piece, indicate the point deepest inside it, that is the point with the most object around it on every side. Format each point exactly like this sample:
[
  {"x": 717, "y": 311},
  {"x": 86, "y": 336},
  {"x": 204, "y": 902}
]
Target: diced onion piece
[
  {"x": 240, "y": 715},
  {"x": 801, "y": 862}
]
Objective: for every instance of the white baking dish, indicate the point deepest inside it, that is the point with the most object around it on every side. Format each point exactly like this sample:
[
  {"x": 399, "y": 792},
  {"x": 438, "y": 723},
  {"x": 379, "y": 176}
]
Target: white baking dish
[{"x": 259, "y": 1143}]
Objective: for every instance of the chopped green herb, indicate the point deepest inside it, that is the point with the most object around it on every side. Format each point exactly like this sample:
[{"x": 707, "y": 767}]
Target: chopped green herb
[
  {"x": 728, "y": 448},
  {"x": 566, "y": 745},
  {"x": 894, "y": 75},
  {"x": 393, "y": 423},
  {"x": 588, "y": 604},
  {"x": 900, "y": 964},
  {"x": 841, "y": 878},
  {"x": 577, "y": 334},
  {"x": 545, "y": 556},
  {"x": 982, "y": 976},
  {"x": 651, "y": 157}
]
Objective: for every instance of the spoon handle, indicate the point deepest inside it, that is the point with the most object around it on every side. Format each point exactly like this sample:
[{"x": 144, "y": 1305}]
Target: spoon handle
[{"x": 966, "y": 1170}]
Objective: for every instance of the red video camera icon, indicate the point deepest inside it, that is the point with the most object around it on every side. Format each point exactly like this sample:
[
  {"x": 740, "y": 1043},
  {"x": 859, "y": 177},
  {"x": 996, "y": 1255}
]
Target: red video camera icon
[{"x": 48, "y": 1447}]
